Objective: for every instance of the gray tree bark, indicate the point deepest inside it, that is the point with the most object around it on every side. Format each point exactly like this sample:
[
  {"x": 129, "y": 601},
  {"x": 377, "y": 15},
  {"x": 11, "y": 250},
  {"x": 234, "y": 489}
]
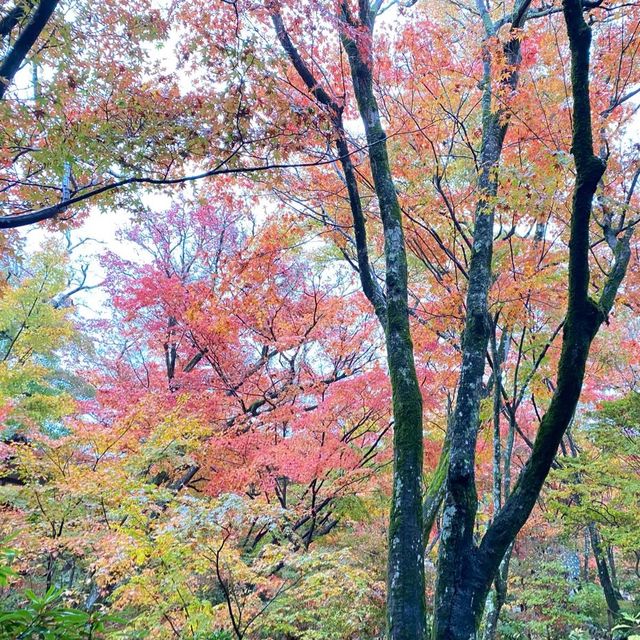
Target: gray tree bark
[
  {"x": 406, "y": 612},
  {"x": 405, "y": 571}
]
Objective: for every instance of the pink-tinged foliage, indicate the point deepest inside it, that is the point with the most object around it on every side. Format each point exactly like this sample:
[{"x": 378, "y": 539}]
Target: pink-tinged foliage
[{"x": 222, "y": 319}]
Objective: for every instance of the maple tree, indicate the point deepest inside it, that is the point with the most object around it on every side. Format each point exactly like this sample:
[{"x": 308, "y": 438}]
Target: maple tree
[
  {"x": 244, "y": 399},
  {"x": 190, "y": 410},
  {"x": 457, "y": 542}
]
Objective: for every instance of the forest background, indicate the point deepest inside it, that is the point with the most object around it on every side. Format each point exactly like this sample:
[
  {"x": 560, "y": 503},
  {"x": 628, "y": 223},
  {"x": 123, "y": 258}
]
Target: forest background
[{"x": 333, "y": 352}]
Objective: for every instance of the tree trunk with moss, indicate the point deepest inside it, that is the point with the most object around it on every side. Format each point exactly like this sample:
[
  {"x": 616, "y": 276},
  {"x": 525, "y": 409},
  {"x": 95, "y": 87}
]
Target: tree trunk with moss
[
  {"x": 467, "y": 570},
  {"x": 456, "y": 583},
  {"x": 498, "y": 596},
  {"x": 406, "y": 603},
  {"x": 406, "y": 614},
  {"x": 613, "y": 606}
]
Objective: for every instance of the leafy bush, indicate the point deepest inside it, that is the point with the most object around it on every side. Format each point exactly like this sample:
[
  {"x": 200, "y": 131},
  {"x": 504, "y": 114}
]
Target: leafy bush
[
  {"x": 629, "y": 628},
  {"x": 45, "y": 617}
]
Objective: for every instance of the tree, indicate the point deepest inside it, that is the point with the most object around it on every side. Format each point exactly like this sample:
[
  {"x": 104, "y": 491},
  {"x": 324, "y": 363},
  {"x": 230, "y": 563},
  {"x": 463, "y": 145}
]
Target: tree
[
  {"x": 453, "y": 222},
  {"x": 405, "y": 566},
  {"x": 458, "y": 616},
  {"x": 457, "y": 541},
  {"x": 29, "y": 20},
  {"x": 235, "y": 420},
  {"x": 605, "y": 462},
  {"x": 94, "y": 124},
  {"x": 34, "y": 335}
]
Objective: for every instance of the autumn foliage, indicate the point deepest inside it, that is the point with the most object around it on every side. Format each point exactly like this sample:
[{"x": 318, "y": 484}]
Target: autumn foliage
[{"x": 198, "y": 414}]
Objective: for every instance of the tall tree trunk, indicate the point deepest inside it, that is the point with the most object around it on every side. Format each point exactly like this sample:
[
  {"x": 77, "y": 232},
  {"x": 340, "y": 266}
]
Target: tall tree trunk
[
  {"x": 406, "y": 615},
  {"x": 466, "y": 571},
  {"x": 498, "y": 595},
  {"x": 434, "y": 494},
  {"x": 585, "y": 557},
  {"x": 457, "y": 607},
  {"x": 611, "y": 559},
  {"x": 405, "y": 571}
]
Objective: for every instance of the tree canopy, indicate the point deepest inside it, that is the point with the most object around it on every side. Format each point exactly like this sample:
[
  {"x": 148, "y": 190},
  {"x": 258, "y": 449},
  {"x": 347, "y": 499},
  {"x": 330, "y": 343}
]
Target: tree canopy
[{"x": 363, "y": 363}]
